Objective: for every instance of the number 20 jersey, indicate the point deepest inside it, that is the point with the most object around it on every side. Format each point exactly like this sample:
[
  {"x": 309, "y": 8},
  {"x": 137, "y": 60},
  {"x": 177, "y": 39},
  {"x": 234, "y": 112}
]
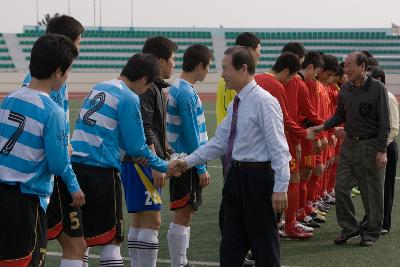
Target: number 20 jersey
[
  {"x": 110, "y": 120},
  {"x": 33, "y": 143}
]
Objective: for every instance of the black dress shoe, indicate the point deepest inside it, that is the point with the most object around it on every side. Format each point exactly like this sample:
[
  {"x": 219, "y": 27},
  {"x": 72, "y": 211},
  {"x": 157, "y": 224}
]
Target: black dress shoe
[
  {"x": 339, "y": 240},
  {"x": 366, "y": 243}
]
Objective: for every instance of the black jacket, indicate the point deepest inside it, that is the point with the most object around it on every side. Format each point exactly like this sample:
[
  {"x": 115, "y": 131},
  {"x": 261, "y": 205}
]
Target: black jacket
[{"x": 154, "y": 108}]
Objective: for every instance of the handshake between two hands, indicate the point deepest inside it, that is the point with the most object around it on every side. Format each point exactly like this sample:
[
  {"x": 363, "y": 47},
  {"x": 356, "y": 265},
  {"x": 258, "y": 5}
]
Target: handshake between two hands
[
  {"x": 312, "y": 132},
  {"x": 176, "y": 166}
]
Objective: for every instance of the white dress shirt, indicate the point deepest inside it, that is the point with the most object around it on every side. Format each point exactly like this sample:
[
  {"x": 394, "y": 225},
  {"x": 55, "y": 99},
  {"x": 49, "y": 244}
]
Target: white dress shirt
[
  {"x": 393, "y": 117},
  {"x": 259, "y": 138}
]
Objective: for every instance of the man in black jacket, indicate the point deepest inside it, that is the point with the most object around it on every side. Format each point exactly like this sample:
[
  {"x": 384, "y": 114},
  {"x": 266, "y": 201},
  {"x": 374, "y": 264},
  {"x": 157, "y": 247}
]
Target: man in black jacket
[{"x": 145, "y": 202}]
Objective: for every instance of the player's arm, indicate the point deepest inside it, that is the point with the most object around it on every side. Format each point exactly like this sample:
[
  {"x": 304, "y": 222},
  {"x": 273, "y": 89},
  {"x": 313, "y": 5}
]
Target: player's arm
[
  {"x": 147, "y": 106},
  {"x": 55, "y": 144},
  {"x": 191, "y": 136},
  {"x": 306, "y": 108},
  {"x": 291, "y": 126},
  {"x": 132, "y": 132}
]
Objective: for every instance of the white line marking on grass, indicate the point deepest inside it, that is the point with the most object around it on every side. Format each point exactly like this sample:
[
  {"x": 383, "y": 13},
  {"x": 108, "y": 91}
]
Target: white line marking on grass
[
  {"x": 397, "y": 178},
  {"x": 216, "y": 167},
  {"x": 93, "y": 256}
]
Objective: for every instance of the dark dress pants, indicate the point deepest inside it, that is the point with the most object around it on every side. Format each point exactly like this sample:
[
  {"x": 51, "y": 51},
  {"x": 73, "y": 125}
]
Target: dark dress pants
[
  {"x": 249, "y": 221},
  {"x": 390, "y": 177}
]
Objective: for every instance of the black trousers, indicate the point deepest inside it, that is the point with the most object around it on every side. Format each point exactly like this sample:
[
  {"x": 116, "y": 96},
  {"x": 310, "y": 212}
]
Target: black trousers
[
  {"x": 249, "y": 221},
  {"x": 390, "y": 177}
]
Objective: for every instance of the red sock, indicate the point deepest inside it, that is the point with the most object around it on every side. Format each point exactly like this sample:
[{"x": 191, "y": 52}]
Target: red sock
[
  {"x": 332, "y": 177},
  {"x": 303, "y": 194},
  {"x": 312, "y": 187},
  {"x": 293, "y": 205}
]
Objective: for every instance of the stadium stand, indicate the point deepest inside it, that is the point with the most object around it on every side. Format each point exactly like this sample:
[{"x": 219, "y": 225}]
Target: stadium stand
[
  {"x": 107, "y": 49},
  {"x": 6, "y": 63}
]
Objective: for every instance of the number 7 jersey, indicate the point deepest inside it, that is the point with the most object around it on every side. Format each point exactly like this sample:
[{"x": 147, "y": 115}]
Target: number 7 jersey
[
  {"x": 33, "y": 144},
  {"x": 110, "y": 120}
]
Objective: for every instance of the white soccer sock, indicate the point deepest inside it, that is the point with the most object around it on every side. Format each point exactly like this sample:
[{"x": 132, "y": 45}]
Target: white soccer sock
[
  {"x": 111, "y": 256},
  {"x": 86, "y": 258},
  {"x": 147, "y": 247},
  {"x": 185, "y": 260},
  {"x": 132, "y": 246},
  {"x": 70, "y": 263},
  {"x": 177, "y": 236}
]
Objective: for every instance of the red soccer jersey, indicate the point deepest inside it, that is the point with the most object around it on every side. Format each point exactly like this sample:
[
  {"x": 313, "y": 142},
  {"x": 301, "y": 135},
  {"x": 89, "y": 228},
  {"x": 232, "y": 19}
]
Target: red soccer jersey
[
  {"x": 319, "y": 99},
  {"x": 292, "y": 98},
  {"x": 268, "y": 82},
  {"x": 306, "y": 107}
]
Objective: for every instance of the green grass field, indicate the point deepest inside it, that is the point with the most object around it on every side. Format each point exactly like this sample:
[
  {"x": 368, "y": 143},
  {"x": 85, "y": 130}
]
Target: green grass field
[{"x": 205, "y": 236}]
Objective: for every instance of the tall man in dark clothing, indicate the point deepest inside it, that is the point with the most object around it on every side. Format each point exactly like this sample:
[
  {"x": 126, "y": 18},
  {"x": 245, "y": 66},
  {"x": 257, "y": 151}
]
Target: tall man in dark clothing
[
  {"x": 144, "y": 202},
  {"x": 363, "y": 106}
]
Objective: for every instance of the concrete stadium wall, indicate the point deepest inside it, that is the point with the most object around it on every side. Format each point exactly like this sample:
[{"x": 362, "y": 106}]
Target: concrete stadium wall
[{"x": 83, "y": 82}]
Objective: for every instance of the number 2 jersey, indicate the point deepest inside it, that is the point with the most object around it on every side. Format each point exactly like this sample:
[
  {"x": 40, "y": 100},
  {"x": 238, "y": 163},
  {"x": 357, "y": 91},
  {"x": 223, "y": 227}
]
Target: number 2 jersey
[
  {"x": 109, "y": 121},
  {"x": 33, "y": 144}
]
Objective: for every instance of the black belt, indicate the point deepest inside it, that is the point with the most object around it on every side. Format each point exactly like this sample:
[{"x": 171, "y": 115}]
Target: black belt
[
  {"x": 359, "y": 138},
  {"x": 252, "y": 165}
]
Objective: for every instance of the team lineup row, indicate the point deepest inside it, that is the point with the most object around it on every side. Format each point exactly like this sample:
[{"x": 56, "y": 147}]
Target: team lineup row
[{"x": 127, "y": 126}]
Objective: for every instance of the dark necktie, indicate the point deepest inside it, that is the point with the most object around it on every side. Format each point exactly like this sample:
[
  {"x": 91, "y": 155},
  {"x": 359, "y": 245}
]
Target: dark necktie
[{"x": 232, "y": 134}]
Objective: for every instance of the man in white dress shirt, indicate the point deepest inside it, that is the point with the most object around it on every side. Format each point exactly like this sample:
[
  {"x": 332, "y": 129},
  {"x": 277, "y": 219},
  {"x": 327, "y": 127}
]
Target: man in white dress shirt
[{"x": 257, "y": 165}]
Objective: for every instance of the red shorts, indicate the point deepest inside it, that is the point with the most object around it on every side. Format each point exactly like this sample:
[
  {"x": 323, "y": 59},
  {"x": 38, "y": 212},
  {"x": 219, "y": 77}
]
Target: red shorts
[
  {"x": 293, "y": 164},
  {"x": 307, "y": 155},
  {"x": 322, "y": 158}
]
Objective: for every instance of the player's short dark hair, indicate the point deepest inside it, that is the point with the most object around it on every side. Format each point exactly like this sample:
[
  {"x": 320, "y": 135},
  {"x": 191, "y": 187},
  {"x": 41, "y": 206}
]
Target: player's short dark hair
[
  {"x": 314, "y": 58},
  {"x": 241, "y": 56},
  {"x": 340, "y": 71},
  {"x": 65, "y": 25},
  {"x": 247, "y": 39},
  {"x": 330, "y": 63},
  {"x": 287, "y": 60},
  {"x": 50, "y": 52},
  {"x": 295, "y": 48},
  {"x": 361, "y": 58},
  {"x": 194, "y": 55},
  {"x": 159, "y": 46},
  {"x": 367, "y": 53},
  {"x": 142, "y": 65},
  {"x": 379, "y": 73},
  {"x": 372, "y": 63}
]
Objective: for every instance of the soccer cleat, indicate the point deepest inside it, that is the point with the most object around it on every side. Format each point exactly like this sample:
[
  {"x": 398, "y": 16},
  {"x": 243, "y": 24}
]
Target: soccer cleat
[
  {"x": 384, "y": 231},
  {"x": 319, "y": 218},
  {"x": 189, "y": 265},
  {"x": 355, "y": 191},
  {"x": 249, "y": 260},
  {"x": 281, "y": 224},
  {"x": 322, "y": 207},
  {"x": 328, "y": 199},
  {"x": 307, "y": 229},
  {"x": 318, "y": 212},
  {"x": 297, "y": 233},
  {"x": 309, "y": 222}
]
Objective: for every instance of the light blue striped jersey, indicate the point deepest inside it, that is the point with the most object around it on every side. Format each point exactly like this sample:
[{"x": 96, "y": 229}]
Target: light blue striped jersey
[
  {"x": 186, "y": 125},
  {"x": 33, "y": 144},
  {"x": 110, "y": 120},
  {"x": 59, "y": 96}
]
